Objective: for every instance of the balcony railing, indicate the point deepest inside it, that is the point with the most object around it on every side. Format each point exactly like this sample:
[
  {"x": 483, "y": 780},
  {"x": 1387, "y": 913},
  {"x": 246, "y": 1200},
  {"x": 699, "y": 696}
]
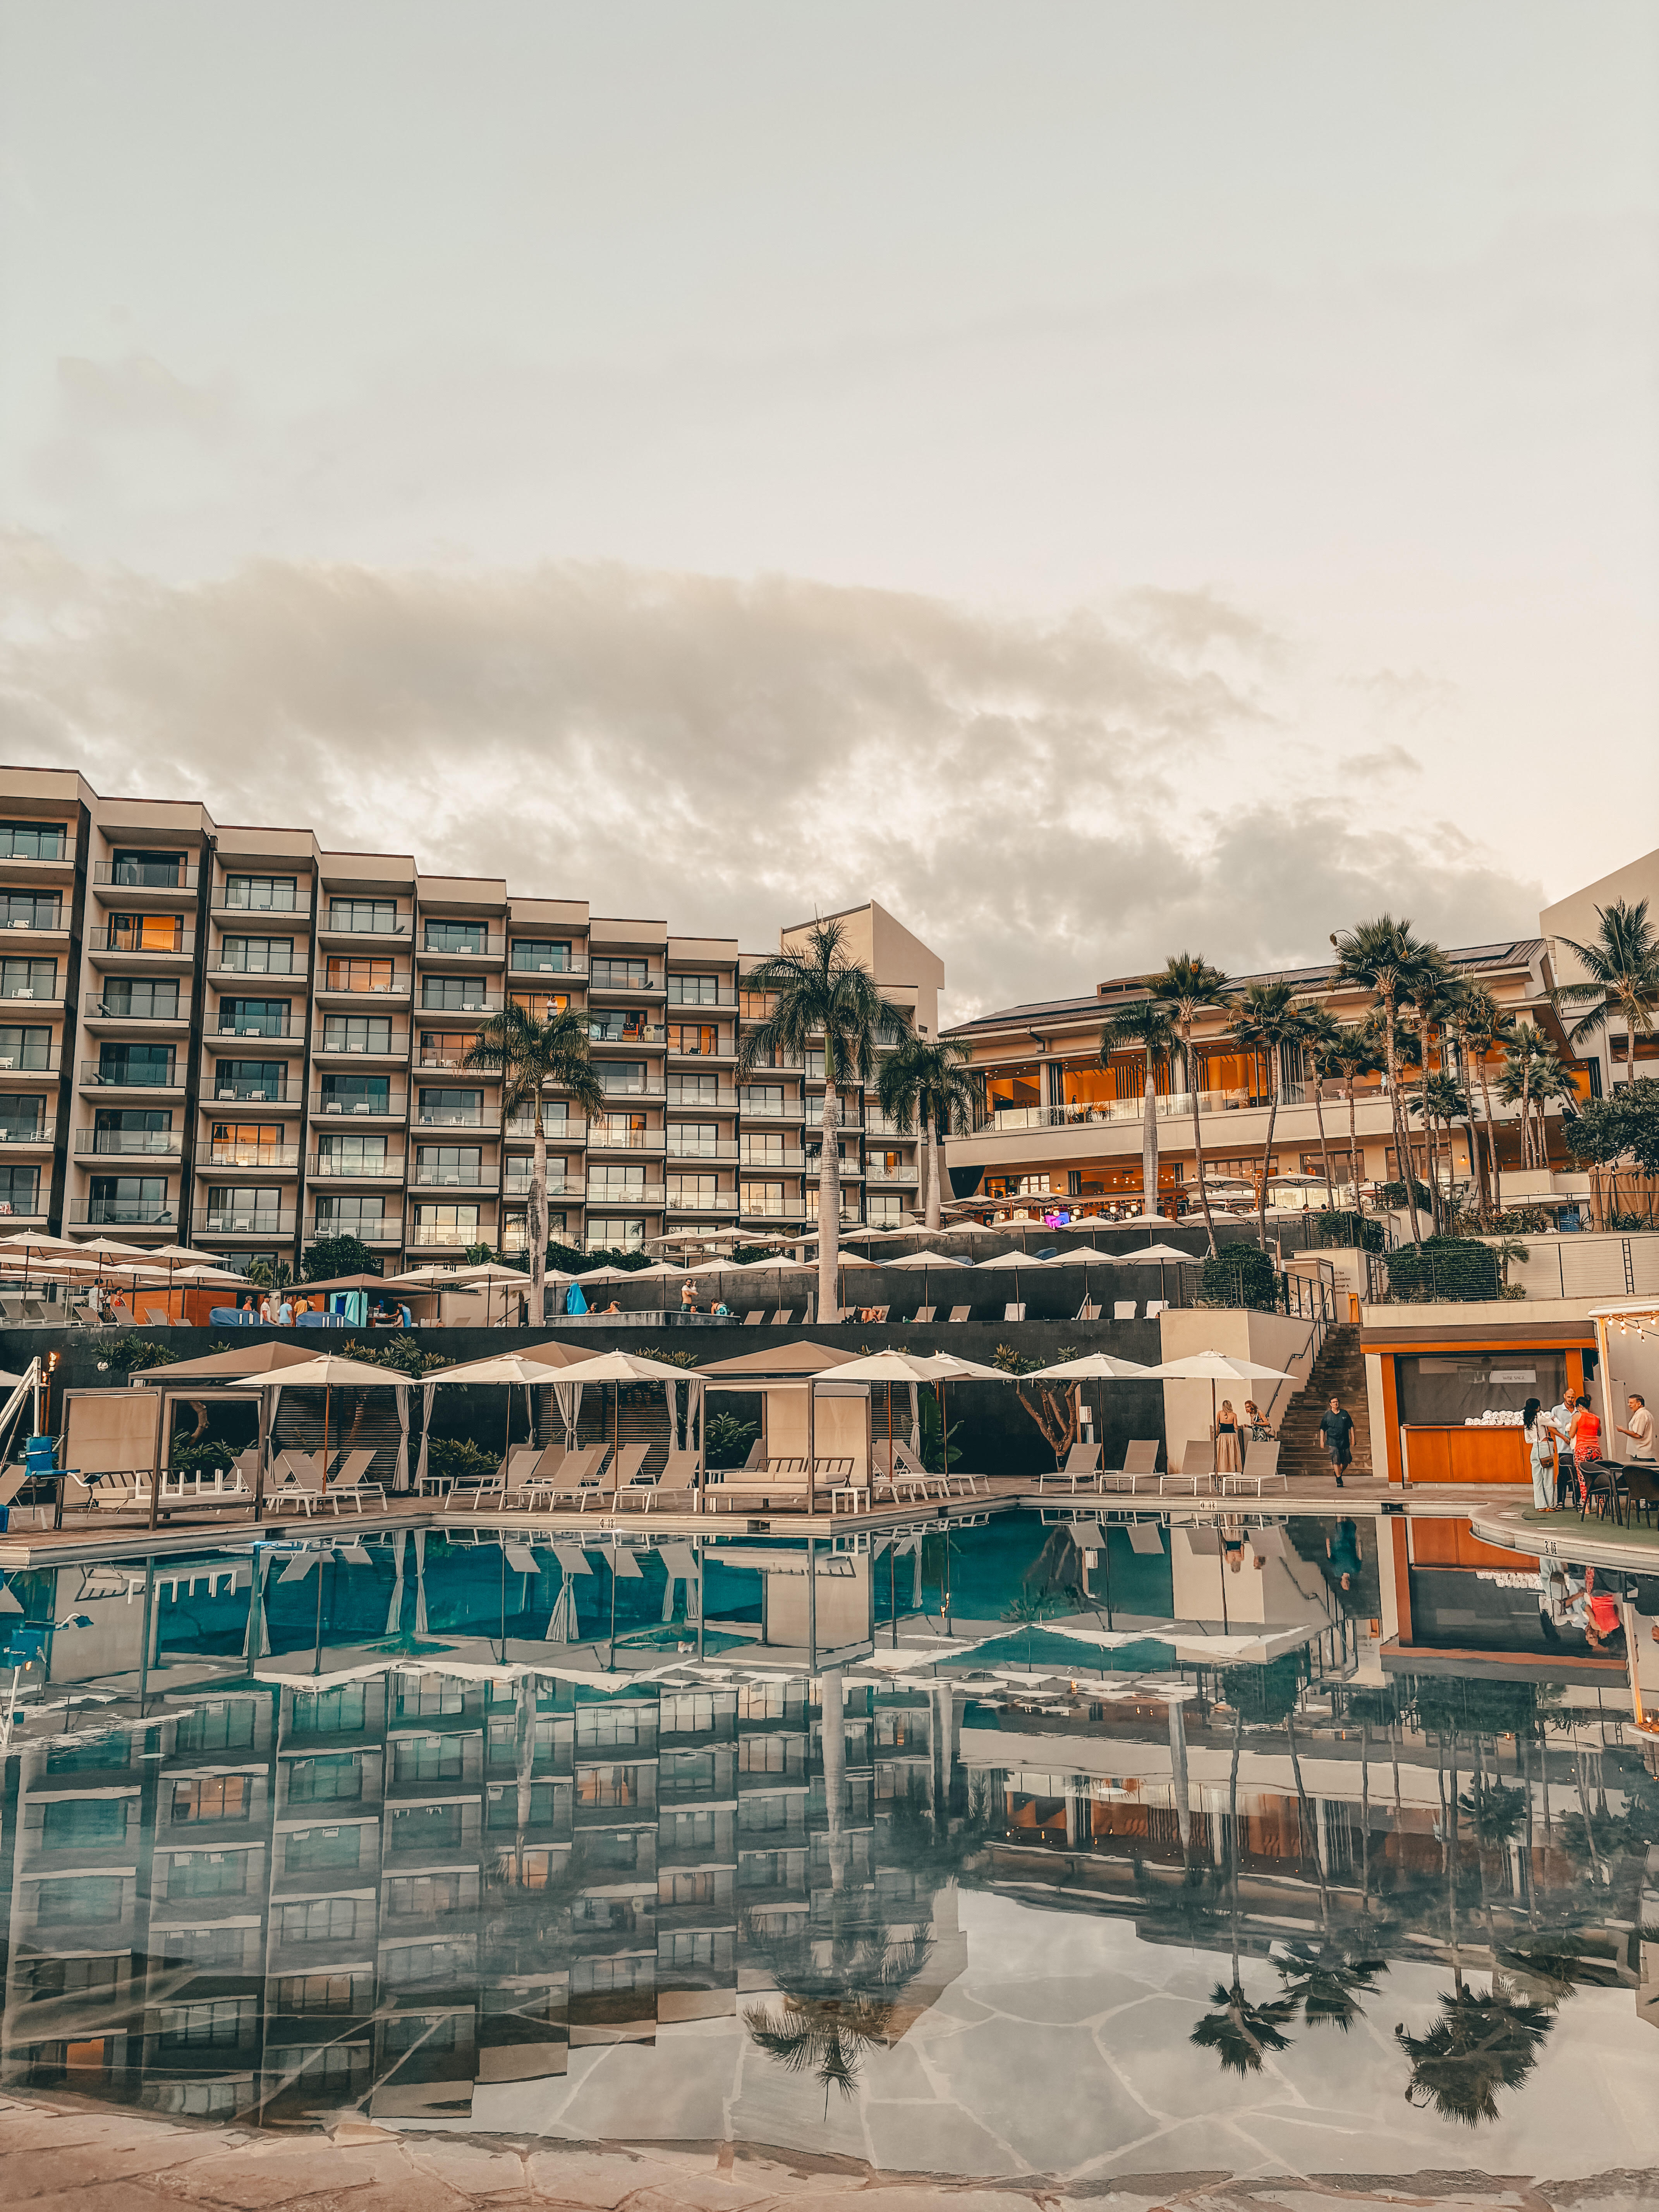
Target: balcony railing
[
  {"x": 253, "y": 1156},
  {"x": 1170, "y": 1106},
  {"x": 777, "y": 1209},
  {"x": 853, "y": 1169},
  {"x": 165, "y": 1075},
  {"x": 263, "y": 1025},
  {"x": 395, "y": 1046},
  {"x": 252, "y": 1221},
  {"x": 558, "y": 1185},
  {"x": 438, "y": 1058},
  {"x": 466, "y": 1178},
  {"x": 27, "y": 995},
  {"x": 643, "y": 1089},
  {"x": 37, "y": 1133},
  {"x": 160, "y": 944},
  {"x": 724, "y": 1149},
  {"x": 889, "y": 1177},
  {"x": 28, "y": 1059},
  {"x": 613, "y": 982},
  {"x": 334, "y": 924},
  {"x": 522, "y": 1130},
  {"x": 484, "y": 948},
  {"x": 600, "y": 1032},
  {"x": 783, "y": 1109},
  {"x": 720, "y": 1100},
  {"x": 427, "y": 1233},
  {"x": 123, "y": 1212},
  {"x": 684, "y": 992},
  {"x": 363, "y": 979},
  {"x": 474, "y": 1002},
  {"x": 394, "y": 1102},
  {"x": 289, "y": 964},
  {"x": 789, "y": 1162},
  {"x": 601, "y": 1139},
  {"x": 350, "y": 1168},
  {"x": 702, "y": 1201},
  {"x": 130, "y": 1144},
  {"x": 160, "y": 875},
  {"x": 523, "y": 964},
  {"x": 109, "y": 1010},
  {"x": 243, "y": 1090},
  {"x": 624, "y": 1194},
  {"x": 237, "y": 898},
  {"x": 46, "y": 843}
]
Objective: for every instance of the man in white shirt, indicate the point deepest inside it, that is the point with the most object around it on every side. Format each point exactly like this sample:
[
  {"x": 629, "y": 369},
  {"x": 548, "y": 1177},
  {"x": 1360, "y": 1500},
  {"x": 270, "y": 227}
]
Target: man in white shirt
[
  {"x": 1560, "y": 1417},
  {"x": 1640, "y": 1431}
]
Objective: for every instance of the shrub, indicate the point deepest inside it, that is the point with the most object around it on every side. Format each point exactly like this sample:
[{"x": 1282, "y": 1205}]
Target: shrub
[
  {"x": 1444, "y": 1267},
  {"x": 400, "y": 1351},
  {"x": 186, "y": 1457},
  {"x": 338, "y": 1255},
  {"x": 725, "y": 1439},
  {"x": 460, "y": 1456},
  {"x": 131, "y": 1352},
  {"x": 1393, "y": 1196},
  {"x": 1238, "y": 1275},
  {"x": 1344, "y": 1226}
]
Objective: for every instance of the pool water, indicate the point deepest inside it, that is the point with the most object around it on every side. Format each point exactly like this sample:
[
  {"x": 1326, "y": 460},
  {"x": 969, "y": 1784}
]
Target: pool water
[{"x": 1020, "y": 1872}]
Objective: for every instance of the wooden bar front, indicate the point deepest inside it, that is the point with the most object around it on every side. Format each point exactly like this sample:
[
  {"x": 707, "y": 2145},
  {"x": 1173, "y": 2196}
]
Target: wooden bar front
[{"x": 1467, "y": 1454}]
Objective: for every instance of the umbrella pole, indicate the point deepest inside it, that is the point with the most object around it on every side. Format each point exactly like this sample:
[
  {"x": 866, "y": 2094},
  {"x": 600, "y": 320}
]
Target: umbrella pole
[{"x": 616, "y": 1445}]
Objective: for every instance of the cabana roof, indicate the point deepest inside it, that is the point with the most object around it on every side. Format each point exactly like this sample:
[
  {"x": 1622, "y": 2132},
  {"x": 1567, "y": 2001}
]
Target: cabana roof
[
  {"x": 789, "y": 1360},
  {"x": 231, "y": 1366}
]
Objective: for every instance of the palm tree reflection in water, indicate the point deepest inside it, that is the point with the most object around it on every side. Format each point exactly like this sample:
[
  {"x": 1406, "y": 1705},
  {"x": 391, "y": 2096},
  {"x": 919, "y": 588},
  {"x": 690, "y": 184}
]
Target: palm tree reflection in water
[{"x": 838, "y": 1988}]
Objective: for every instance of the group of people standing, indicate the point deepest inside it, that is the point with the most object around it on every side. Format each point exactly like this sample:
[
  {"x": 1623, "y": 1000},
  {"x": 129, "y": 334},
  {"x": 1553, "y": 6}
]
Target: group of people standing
[{"x": 1567, "y": 1440}]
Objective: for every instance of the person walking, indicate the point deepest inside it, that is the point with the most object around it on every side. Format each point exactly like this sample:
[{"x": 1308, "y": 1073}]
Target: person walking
[
  {"x": 1336, "y": 1427},
  {"x": 1225, "y": 1433},
  {"x": 1640, "y": 1431},
  {"x": 1543, "y": 1443}
]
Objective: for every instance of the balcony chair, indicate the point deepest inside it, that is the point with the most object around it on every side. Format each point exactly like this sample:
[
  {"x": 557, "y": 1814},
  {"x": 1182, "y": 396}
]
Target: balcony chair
[{"x": 1123, "y": 1309}]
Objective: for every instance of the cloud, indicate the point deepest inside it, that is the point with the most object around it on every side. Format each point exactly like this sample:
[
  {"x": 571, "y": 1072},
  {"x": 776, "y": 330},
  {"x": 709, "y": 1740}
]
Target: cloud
[{"x": 731, "y": 754}]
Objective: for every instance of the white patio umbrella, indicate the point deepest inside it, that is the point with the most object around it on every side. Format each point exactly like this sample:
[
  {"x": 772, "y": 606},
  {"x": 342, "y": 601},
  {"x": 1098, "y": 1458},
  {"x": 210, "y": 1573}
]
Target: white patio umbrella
[
  {"x": 508, "y": 1367},
  {"x": 1159, "y": 1255},
  {"x": 490, "y": 1272},
  {"x": 1213, "y": 1367},
  {"x": 618, "y": 1368},
  {"x": 1013, "y": 1261},
  {"x": 327, "y": 1371},
  {"x": 925, "y": 1260}
]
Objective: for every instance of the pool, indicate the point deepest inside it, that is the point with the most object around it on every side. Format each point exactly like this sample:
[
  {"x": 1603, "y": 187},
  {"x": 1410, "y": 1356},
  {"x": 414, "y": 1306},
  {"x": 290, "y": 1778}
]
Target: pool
[{"x": 1049, "y": 1870}]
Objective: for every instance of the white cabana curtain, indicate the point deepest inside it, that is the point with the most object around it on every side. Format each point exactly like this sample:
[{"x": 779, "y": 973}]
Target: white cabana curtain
[
  {"x": 394, "y": 1609},
  {"x": 400, "y": 1477},
  {"x": 270, "y": 1432},
  {"x": 916, "y": 1421},
  {"x": 567, "y": 1397},
  {"x": 429, "y": 1394}
]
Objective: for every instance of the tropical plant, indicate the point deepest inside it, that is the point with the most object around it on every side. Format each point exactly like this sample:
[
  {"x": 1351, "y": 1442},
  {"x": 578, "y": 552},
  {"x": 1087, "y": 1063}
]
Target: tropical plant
[
  {"x": 1149, "y": 1027},
  {"x": 529, "y": 1053},
  {"x": 838, "y": 1991},
  {"x": 130, "y": 1353},
  {"x": 1533, "y": 1075},
  {"x": 927, "y": 1078},
  {"x": 1240, "y": 2032},
  {"x": 819, "y": 990},
  {"x": 1621, "y": 965},
  {"x": 1433, "y": 1003},
  {"x": 1438, "y": 1099},
  {"x": 1238, "y": 1275},
  {"x": 459, "y": 1456},
  {"x": 1443, "y": 1267},
  {"x": 1506, "y": 1251},
  {"x": 402, "y": 1352},
  {"x": 1460, "y": 1000},
  {"x": 1269, "y": 1020},
  {"x": 1485, "y": 1029},
  {"x": 1029, "y": 1609},
  {"x": 1050, "y": 1407},
  {"x": 1384, "y": 958},
  {"x": 725, "y": 1439},
  {"x": 332, "y": 1256},
  {"x": 1479, "y": 2045},
  {"x": 1346, "y": 1226},
  {"x": 1185, "y": 987},
  {"x": 269, "y": 1275},
  {"x": 1625, "y": 1127},
  {"x": 935, "y": 1453}
]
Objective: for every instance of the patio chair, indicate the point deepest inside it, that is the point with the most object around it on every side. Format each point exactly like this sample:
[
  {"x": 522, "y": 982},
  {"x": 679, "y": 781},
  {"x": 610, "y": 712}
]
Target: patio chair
[
  {"x": 544, "y": 1474},
  {"x": 1155, "y": 1307},
  {"x": 1087, "y": 1311},
  {"x": 157, "y": 1317},
  {"x": 678, "y": 1479},
  {"x": 1260, "y": 1467},
  {"x": 302, "y": 1482},
  {"x": 627, "y": 1471},
  {"x": 754, "y": 1320},
  {"x": 1082, "y": 1465},
  {"x": 924, "y": 1312},
  {"x": 35, "y": 1310},
  {"x": 960, "y": 1312},
  {"x": 1598, "y": 1483},
  {"x": 1139, "y": 1465},
  {"x": 348, "y": 1482},
  {"x": 1197, "y": 1465},
  {"x": 1147, "y": 1536},
  {"x": 1641, "y": 1490},
  {"x": 579, "y": 1476},
  {"x": 783, "y": 1316},
  {"x": 1123, "y": 1309},
  {"x": 1013, "y": 1313}
]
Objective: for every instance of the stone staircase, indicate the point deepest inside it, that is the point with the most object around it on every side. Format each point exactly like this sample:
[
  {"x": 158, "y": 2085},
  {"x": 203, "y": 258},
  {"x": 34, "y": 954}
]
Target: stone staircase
[{"x": 1339, "y": 1371}]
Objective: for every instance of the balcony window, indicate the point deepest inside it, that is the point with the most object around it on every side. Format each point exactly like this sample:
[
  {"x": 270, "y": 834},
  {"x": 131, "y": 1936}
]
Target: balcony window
[
  {"x": 424, "y": 1828},
  {"x": 358, "y": 974},
  {"x": 695, "y": 1090},
  {"x": 25, "y": 1047},
  {"x": 329, "y": 1712},
  {"x": 1018, "y": 1088},
  {"x": 697, "y": 1037},
  {"x": 21, "y": 1119},
  {"x": 541, "y": 1006},
  {"x": 442, "y": 1164},
  {"x": 692, "y": 1139},
  {"x": 254, "y": 1207},
  {"x": 364, "y": 917},
  {"x": 344, "y": 1217},
  {"x": 534, "y": 956},
  {"x": 764, "y": 1098},
  {"x": 34, "y": 840},
  {"x": 616, "y": 1232},
  {"x": 768, "y": 1198},
  {"x": 254, "y": 1017},
  {"x": 427, "y": 1758},
  {"x": 132, "y": 1129},
  {"x": 245, "y": 1144},
  {"x": 420, "y": 1696},
  {"x": 30, "y": 909},
  {"x": 163, "y": 871},
  {"x": 455, "y": 1109},
  {"x": 883, "y": 1209},
  {"x": 261, "y": 894},
  {"x": 28, "y": 979},
  {"x": 454, "y": 995},
  {"x": 621, "y": 1076},
  {"x": 756, "y": 1005},
  {"x": 353, "y": 1155},
  {"x": 446, "y": 1047},
  {"x": 692, "y": 1189},
  {"x": 311, "y": 1850},
  {"x": 20, "y": 1190},
  {"x": 249, "y": 1078},
  {"x": 227, "y": 1724},
  {"x": 357, "y": 1033},
  {"x": 619, "y": 1028},
  {"x": 258, "y": 956},
  {"x": 356, "y": 1094},
  {"x": 212, "y": 1797},
  {"x": 694, "y": 990},
  {"x": 456, "y": 937},
  {"x": 148, "y": 1066},
  {"x": 619, "y": 1179},
  {"x": 446, "y": 1224},
  {"x": 620, "y": 974}
]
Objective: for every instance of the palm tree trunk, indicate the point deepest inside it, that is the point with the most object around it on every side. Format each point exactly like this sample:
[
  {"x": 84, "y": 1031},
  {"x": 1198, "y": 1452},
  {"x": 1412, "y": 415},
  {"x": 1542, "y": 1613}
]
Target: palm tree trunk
[
  {"x": 1403, "y": 1149},
  {"x": 1324, "y": 1141},
  {"x": 1198, "y": 1137},
  {"x": 932, "y": 1215},
  {"x": 1148, "y": 1144},
  {"x": 1353, "y": 1147},
  {"x": 1267, "y": 1148},
  {"x": 535, "y": 1221},
  {"x": 1526, "y": 1111},
  {"x": 829, "y": 1196},
  {"x": 1491, "y": 1138}
]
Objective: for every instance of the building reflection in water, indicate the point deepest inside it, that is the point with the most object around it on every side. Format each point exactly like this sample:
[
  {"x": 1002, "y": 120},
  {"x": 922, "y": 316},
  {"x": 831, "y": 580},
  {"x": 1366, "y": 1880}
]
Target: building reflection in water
[{"x": 259, "y": 1865}]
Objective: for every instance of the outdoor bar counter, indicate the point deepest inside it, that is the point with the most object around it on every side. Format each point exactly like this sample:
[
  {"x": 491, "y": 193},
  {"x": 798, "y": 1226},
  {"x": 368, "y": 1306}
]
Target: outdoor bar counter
[{"x": 1464, "y": 1454}]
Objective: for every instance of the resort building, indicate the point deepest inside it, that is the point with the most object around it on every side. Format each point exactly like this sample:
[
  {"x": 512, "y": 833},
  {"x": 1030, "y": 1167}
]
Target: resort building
[{"x": 233, "y": 1039}]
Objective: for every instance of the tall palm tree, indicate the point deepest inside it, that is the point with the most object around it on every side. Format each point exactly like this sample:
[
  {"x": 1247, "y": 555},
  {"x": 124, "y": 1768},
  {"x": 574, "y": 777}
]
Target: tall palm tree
[
  {"x": 1464, "y": 1015},
  {"x": 1149, "y": 1027},
  {"x": 1328, "y": 1984},
  {"x": 1479, "y": 2045},
  {"x": 528, "y": 1053},
  {"x": 1239, "y": 2033},
  {"x": 1186, "y": 986},
  {"x": 819, "y": 989},
  {"x": 1319, "y": 1030},
  {"x": 1385, "y": 958},
  {"x": 927, "y": 1078},
  {"x": 1534, "y": 1075},
  {"x": 1621, "y": 962},
  {"x": 1267, "y": 1018},
  {"x": 1430, "y": 1002},
  {"x": 1351, "y": 1053}
]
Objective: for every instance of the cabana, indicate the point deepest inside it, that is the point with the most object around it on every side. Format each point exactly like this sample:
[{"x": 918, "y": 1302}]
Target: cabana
[
  {"x": 327, "y": 1372},
  {"x": 806, "y": 1413},
  {"x": 621, "y": 1367}
]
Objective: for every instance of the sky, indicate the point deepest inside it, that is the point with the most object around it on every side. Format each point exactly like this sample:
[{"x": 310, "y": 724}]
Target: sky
[{"x": 1101, "y": 480}]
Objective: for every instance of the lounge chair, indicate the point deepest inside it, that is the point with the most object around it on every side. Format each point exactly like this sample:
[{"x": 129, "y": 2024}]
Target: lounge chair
[
  {"x": 754, "y": 1320},
  {"x": 1260, "y": 1467},
  {"x": 35, "y": 1310},
  {"x": 1147, "y": 1537},
  {"x": 348, "y": 1482},
  {"x": 874, "y": 1313},
  {"x": 580, "y": 1477},
  {"x": 1139, "y": 1465},
  {"x": 678, "y": 1479},
  {"x": 1154, "y": 1307},
  {"x": 157, "y": 1317},
  {"x": 626, "y": 1470},
  {"x": 1013, "y": 1313},
  {"x": 543, "y": 1474},
  {"x": 1087, "y": 1311},
  {"x": 302, "y": 1483},
  {"x": 924, "y": 1312},
  {"x": 783, "y": 1316},
  {"x": 1197, "y": 1465},
  {"x": 1081, "y": 1467},
  {"x": 960, "y": 1312},
  {"x": 1123, "y": 1309}
]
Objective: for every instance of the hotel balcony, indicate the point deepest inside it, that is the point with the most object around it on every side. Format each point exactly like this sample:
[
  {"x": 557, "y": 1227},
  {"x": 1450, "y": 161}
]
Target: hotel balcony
[
  {"x": 40, "y": 1137},
  {"x": 757, "y": 1106},
  {"x": 261, "y": 966},
  {"x": 481, "y": 951},
  {"x": 128, "y": 1143},
  {"x": 723, "y": 1150},
  {"x": 359, "y": 979},
  {"x": 681, "y": 996},
  {"x": 791, "y": 1160},
  {"x": 253, "y": 1159},
  {"x": 121, "y": 950},
  {"x": 601, "y": 1139},
  {"x": 703, "y": 1201},
  {"x": 23, "y": 1061},
  {"x": 427, "y": 1236},
  {"x": 163, "y": 1081},
  {"x": 487, "y": 1116},
  {"x": 336, "y": 1167},
  {"x": 558, "y": 1187},
  {"x": 143, "y": 883},
  {"x": 101, "y": 1214},
  {"x": 484, "y": 1177},
  {"x": 104, "y": 1015},
  {"x": 392, "y": 1106},
  {"x": 622, "y": 1196},
  {"x": 218, "y": 1089},
  {"x": 45, "y": 856},
  {"x": 362, "y": 935},
  {"x": 238, "y": 907},
  {"x": 450, "y": 1005},
  {"x": 396, "y": 1047},
  {"x": 521, "y": 1130},
  {"x": 606, "y": 980},
  {"x": 687, "y": 1097},
  {"x": 384, "y": 1228},
  {"x": 235, "y": 1221}
]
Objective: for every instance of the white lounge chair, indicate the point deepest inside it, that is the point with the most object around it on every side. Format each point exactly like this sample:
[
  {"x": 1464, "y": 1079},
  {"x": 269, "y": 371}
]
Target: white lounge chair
[
  {"x": 1139, "y": 1465},
  {"x": 349, "y": 1485},
  {"x": 1197, "y": 1465},
  {"x": 1261, "y": 1468}
]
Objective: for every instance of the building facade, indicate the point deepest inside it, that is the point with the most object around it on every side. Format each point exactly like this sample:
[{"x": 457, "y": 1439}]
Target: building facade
[{"x": 233, "y": 1038}]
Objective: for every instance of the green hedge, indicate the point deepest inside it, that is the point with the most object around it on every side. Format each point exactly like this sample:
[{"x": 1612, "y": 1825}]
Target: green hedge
[
  {"x": 1444, "y": 1267},
  {"x": 1238, "y": 1275}
]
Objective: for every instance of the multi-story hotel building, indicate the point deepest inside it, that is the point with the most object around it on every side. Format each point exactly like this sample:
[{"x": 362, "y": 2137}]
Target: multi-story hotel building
[{"x": 235, "y": 1039}]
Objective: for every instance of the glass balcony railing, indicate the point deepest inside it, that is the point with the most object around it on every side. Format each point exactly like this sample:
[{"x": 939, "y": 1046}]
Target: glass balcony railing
[
  {"x": 28, "y": 1059},
  {"x": 724, "y": 1149},
  {"x": 253, "y": 1156},
  {"x": 686, "y": 991},
  {"x": 262, "y": 898},
  {"x": 168, "y": 943},
  {"x": 787, "y": 1162},
  {"x": 130, "y": 1144},
  {"x": 257, "y": 1091},
  {"x": 522, "y": 1130},
  {"x": 621, "y": 1196},
  {"x": 702, "y": 1201},
  {"x": 164, "y": 872},
  {"x": 48, "y": 842},
  {"x": 360, "y": 1104},
  {"x": 254, "y": 1221},
  {"x": 123, "y": 1212},
  {"x": 133, "y": 1075}
]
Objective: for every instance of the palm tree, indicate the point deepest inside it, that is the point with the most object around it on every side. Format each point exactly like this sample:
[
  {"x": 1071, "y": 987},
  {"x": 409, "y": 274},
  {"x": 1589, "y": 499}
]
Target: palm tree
[
  {"x": 1349, "y": 1053},
  {"x": 928, "y": 1080},
  {"x": 1267, "y": 1018},
  {"x": 528, "y": 1053},
  {"x": 1535, "y": 1074},
  {"x": 1239, "y": 2033},
  {"x": 1432, "y": 999},
  {"x": 1622, "y": 965},
  {"x": 1384, "y": 958},
  {"x": 1487, "y": 1029},
  {"x": 820, "y": 990},
  {"x": 1319, "y": 1030},
  {"x": 1479, "y": 2045},
  {"x": 1438, "y": 1099},
  {"x": 1188, "y": 987},
  {"x": 1149, "y": 1026},
  {"x": 1328, "y": 1984},
  {"x": 1464, "y": 1012},
  {"x": 839, "y": 1991}
]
